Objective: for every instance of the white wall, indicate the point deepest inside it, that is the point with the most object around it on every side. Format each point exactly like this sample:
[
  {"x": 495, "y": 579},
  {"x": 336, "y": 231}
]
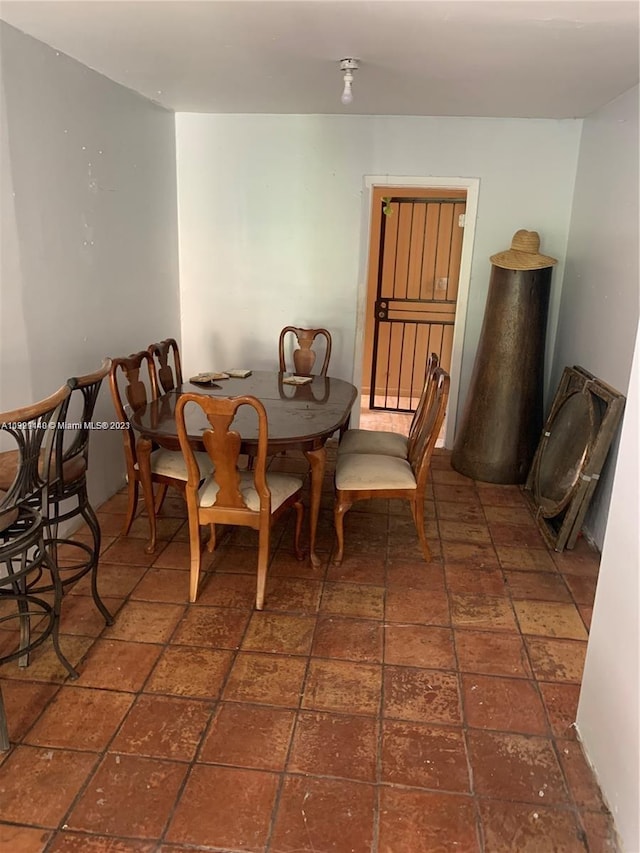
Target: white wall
[
  {"x": 270, "y": 213},
  {"x": 598, "y": 328},
  {"x": 600, "y": 298},
  {"x": 89, "y": 230}
]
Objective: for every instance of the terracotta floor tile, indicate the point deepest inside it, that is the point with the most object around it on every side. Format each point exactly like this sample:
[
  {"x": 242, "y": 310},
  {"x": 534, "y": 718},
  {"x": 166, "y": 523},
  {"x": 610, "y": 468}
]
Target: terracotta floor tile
[
  {"x": 423, "y": 756},
  {"x": 478, "y": 555},
  {"x": 167, "y": 585},
  {"x": 419, "y": 645},
  {"x": 75, "y": 842},
  {"x": 522, "y": 535},
  {"x": 587, "y": 615},
  {"x": 266, "y": 679},
  {"x": 49, "y": 777},
  {"x": 497, "y": 495},
  {"x": 343, "y": 686},
  {"x": 249, "y": 736},
  {"x": 166, "y": 528},
  {"x": 557, "y": 660},
  {"x": 580, "y": 778},
  {"x": 359, "y": 568},
  {"x": 79, "y": 614},
  {"x": 455, "y": 494},
  {"x": 515, "y": 767},
  {"x": 131, "y": 552},
  {"x": 517, "y": 515},
  {"x": 525, "y": 559},
  {"x": 116, "y": 803},
  {"x": 504, "y": 704},
  {"x": 469, "y": 513},
  {"x": 414, "y": 573},
  {"x": 466, "y": 579},
  {"x": 285, "y": 565},
  {"x": 423, "y": 822},
  {"x": 357, "y": 600},
  {"x": 464, "y": 531},
  {"x": 116, "y": 665},
  {"x": 324, "y": 814},
  {"x": 23, "y": 704},
  {"x": 114, "y": 580},
  {"x": 237, "y": 817},
  {"x": 550, "y": 619},
  {"x": 348, "y": 639},
  {"x": 583, "y": 589},
  {"x": 80, "y": 718},
  {"x": 509, "y": 827},
  {"x": 601, "y": 834},
  {"x": 23, "y": 839},
  {"x": 544, "y": 586},
  {"x": 44, "y": 664},
  {"x": 280, "y": 633},
  {"x": 293, "y": 594},
  {"x": 492, "y": 653},
  {"x": 146, "y": 621},
  {"x": 482, "y": 611},
  {"x": 177, "y": 555},
  {"x": 561, "y": 702},
  {"x": 334, "y": 745},
  {"x": 420, "y": 606},
  {"x": 163, "y": 727},
  {"x": 422, "y": 695},
  {"x": 220, "y": 590},
  {"x": 211, "y": 627},
  {"x": 448, "y": 475},
  {"x": 582, "y": 560},
  {"x": 189, "y": 671}
]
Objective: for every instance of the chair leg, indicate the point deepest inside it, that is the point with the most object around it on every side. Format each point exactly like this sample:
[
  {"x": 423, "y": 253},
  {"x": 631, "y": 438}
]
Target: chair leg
[
  {"x": 342, "y": 506},
  {"x": 418, "y": 518},
  {"x": 194, "y": 549},
  {"x": 132, "y": 503},
  {"x": 163, "y": 488},
  {"x": 299, "y": 507},
  {"x": 263, "y": 562},
  {"x": 211, "y": 544},
  {"x": 87, "y": 512}
]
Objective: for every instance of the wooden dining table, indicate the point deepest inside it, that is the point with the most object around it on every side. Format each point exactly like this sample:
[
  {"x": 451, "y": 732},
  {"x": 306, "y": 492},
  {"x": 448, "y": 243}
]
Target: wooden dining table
[{"x": 300, "y": 417}]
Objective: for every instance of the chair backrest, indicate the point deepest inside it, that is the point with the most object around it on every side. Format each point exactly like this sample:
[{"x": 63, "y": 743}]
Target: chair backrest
[
  {"x": 304, "y": 358},
  {"x": 167, "y": 379},
  {"x": 223, "y": 446},
  {"x": 78, "y": 423},
  {"x": 127, "y": 371},
  {"x": 35, "y": 430},
  {"x": 425, "y": 398},
  {"x": 425, "y": 442}
]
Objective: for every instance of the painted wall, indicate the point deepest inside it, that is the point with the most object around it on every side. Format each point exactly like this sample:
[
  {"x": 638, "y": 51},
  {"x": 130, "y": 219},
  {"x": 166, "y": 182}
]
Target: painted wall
[
  {"x": 598, "y": 328},
  {"x": 270, "y": 218},
  {"x": 600, "y": 298},
  {"x": 89, "y": 230}
]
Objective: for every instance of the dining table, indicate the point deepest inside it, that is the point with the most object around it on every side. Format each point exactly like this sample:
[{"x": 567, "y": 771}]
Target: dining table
[{"x": 300, "y": 417}]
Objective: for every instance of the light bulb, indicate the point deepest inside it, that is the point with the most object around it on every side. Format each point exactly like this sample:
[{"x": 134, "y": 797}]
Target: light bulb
[{"x": 347, "y": 94}]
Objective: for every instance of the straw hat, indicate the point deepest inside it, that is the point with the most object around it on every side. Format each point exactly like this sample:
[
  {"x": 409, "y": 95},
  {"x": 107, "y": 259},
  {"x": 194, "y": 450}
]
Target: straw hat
[{"x": 524, "y": 253}]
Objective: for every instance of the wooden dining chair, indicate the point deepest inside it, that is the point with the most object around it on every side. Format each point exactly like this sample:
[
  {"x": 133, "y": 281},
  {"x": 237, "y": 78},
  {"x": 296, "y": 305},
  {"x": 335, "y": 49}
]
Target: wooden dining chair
[
  {"x": 230, "y": 495},
  {"x": 304, "y": 357},
  {"x": 165, "y": 467},
  {"x": 389, "y": 443},
  {"x": 166, "y": 378},
  {"x": 364, "y": 476}
]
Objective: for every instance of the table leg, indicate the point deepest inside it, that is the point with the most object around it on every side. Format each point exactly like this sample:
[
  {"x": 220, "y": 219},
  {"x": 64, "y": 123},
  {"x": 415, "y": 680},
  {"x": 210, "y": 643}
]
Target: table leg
[
  {"x": 317, "y": 462},
  {"x": 143, "y": 452}
]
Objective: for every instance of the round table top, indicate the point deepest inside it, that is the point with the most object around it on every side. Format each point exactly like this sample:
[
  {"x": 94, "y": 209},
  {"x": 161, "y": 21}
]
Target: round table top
[{"x": 299, "y": 416}]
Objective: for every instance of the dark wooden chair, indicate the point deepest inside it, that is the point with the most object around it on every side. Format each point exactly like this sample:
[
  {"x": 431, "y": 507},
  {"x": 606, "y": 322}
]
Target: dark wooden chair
[
  {"x": 162, "y": 467},
  {"x": 364, "y": 476},
  {"x": 167, "y": 377},
  {"x": 304, "y": 357},
  {"x": 232, "y": 496},
  {"x": 389, "y": 443}
]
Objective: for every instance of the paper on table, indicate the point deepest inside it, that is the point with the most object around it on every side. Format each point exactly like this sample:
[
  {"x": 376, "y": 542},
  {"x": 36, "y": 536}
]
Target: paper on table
[
  {"x": 239, "y": 373},
  {"x": 297, "y": 380},
  {"x": 204, "y": 378}
]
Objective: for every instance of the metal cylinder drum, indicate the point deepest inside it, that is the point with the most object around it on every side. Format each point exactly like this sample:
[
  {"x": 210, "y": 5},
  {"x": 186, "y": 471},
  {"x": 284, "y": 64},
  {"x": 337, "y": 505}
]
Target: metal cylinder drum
[{"x": 502, "y": 418}]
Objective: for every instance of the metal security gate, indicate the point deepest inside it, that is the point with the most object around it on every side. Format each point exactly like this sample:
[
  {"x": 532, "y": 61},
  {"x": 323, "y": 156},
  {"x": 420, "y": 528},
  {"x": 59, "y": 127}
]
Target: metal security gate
[{"x": 417, "y": 287}]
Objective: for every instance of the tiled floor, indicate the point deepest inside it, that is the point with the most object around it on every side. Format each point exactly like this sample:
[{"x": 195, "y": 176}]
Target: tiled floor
[{"x": 386, "y": 706}]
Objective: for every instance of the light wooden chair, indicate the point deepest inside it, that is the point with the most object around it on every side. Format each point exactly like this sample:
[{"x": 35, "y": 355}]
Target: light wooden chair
[
  {"x": 364, "y": 476},
  {"x": 304, "y": 358},
  {"x": 389, "y": 443},
  {"x": 167, "y": 380},
  {"x": 167, "y": 467},
  {"x": 231, "y": 496}
]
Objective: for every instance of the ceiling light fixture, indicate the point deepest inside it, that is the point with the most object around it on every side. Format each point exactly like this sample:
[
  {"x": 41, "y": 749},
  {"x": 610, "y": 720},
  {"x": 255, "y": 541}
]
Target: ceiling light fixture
[{"x": 348, "y": 66}]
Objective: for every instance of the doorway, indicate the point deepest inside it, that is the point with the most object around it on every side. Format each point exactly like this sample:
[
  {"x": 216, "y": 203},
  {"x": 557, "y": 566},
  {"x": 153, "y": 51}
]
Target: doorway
[{"x": 414, "y": 302}]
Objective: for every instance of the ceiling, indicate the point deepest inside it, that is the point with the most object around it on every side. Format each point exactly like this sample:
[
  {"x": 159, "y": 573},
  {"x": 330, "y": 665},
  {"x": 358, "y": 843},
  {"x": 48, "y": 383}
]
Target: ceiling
[{"x": 524, "y": 58}]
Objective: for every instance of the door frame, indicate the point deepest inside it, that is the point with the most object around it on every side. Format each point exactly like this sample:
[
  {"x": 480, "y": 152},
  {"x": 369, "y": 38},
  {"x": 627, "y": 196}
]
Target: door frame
[{"x": 472, "y": 186}]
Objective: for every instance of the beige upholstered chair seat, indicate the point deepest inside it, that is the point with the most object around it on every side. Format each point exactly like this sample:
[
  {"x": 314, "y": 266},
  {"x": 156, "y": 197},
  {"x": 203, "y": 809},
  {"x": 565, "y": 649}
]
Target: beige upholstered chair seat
[
  {"x": 364, "y": 471},
  {"x": 374, "y": 441},
  {"x": 171, "y": 463},
  {"x": 281, "y": 487}
]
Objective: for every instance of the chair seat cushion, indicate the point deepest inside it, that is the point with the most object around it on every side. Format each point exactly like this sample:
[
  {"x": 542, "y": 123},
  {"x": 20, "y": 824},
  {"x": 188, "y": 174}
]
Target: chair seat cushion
[
  {"x": 370, "y": 471},
  {"x": 282, "y": 486},
  {"x": 374, "y": 441},
  {"x": 171, "y": 463}
]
